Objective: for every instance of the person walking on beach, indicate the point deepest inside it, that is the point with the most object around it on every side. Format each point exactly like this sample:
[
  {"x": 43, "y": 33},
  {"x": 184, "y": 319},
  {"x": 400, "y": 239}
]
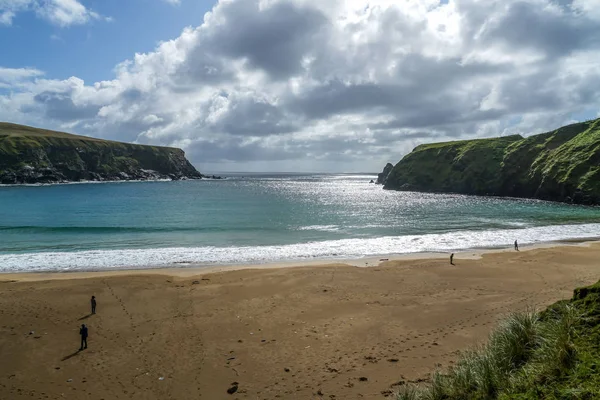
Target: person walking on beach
[
  {"x": 452, "y": 259},
  {"x": 93, "y": 301},
  {"x": 84, "y": 335},
  {"x": 516, "y": 246}
]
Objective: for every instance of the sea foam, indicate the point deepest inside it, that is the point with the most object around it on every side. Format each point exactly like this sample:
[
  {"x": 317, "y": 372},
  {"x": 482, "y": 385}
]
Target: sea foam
[{"x": 325, "y": 250}]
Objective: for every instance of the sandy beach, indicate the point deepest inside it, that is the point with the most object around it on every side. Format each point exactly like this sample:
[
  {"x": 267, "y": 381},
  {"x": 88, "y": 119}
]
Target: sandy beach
[{"x": 335, "y": 331}]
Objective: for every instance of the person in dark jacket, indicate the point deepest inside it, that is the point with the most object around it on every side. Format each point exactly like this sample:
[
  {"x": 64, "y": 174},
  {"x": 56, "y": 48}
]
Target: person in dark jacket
[
  {"x": 93, "y": 304},
  {"x": 83, "y": 331}
]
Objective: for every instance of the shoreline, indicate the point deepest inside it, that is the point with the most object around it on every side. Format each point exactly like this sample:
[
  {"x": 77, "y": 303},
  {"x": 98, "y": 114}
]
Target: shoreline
[
  {"x": 41, "y": 184},
  {"x": 192, "y": 270}
]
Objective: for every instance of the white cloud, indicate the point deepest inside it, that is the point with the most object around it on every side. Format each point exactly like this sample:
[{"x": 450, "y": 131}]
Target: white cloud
[
  {"x": 590, "y": 7},
  {"x": 9, "y": 8},
  {"x": 342, "y": 84},
  {"x": 65, "y": 12},
  {"x": 13, "y": 75},
  {"x": 62, "y": 13},
  {"x": 6, "y": 17}
]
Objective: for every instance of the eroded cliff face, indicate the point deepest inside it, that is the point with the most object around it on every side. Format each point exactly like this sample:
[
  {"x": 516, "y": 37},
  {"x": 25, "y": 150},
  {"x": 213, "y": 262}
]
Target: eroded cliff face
[
  {"x": 30, "y": 155},
  {"x": 382, "y": 176},
  {"x": 562, "y": 165}
]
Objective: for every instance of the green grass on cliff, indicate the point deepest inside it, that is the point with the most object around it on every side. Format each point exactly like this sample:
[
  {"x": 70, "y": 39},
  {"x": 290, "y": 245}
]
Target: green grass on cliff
[
  {"x": 551, "y": 166},
  {"x": 552, "y": 355},
  {"x": 8, "y": 129},
  {"x": 576, "y": 161},
  {"x": 465, "y": 145},
  {"x": 467, "y": 166},
  {"x": 57, "y": 156},
  {"x": 14, "y": 138}
]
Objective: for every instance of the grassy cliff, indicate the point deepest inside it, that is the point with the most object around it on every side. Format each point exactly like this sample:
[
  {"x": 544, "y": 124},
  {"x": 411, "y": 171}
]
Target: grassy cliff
[
  {"x": 32, "y": 155},
  {"x": 562, "y": 165},
  {"x": 554, "y": 354}
]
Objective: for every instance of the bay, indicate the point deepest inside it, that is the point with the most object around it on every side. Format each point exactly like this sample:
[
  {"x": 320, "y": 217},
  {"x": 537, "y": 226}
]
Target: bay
[{"x": 260, "y": 218}]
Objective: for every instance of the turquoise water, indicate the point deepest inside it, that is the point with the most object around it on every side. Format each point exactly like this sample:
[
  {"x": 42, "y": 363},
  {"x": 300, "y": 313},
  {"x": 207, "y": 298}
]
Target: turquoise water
[{"x": 256, "y": 219}]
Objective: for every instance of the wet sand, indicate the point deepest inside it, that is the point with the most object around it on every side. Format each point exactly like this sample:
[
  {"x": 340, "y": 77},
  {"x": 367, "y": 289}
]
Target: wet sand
[{"x": 328, "y": 331}]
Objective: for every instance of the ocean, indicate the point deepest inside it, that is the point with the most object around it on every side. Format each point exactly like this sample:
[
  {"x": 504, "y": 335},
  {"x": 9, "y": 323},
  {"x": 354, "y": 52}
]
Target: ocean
[{"x": 260, "y": 219}]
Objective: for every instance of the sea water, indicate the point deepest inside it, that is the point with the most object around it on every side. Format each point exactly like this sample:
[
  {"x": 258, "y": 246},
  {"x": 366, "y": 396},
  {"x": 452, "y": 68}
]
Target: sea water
[{"x": 259, "y": 219}]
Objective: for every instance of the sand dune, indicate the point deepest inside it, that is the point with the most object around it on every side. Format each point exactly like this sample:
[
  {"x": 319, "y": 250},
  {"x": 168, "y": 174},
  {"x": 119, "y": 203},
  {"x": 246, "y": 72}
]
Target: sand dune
[{"x": 331, "y": 332}]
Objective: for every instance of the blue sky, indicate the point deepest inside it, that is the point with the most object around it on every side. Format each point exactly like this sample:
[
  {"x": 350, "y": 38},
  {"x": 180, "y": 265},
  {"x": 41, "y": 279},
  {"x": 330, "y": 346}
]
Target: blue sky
[
  {"x": 298, "y": 85},
  {"x": 91, "y": 51}
]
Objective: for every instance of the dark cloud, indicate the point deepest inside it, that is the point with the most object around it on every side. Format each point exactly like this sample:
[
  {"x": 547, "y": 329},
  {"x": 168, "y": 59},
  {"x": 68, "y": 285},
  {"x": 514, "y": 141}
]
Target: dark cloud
[
  {"x": 231, "y": 149},
  {"x": 273, "y": 39},
  {"x": 131, "y": 95},
  {"x": 337, "y": 97},
  {"x": 539, "y": 91},
  {"x": 255, "y": 119},
  {"x": 201, "y": 68},
  {"x": 388, "y": 137},
  {"x": 60, "y": 106},
  {"x": 425, "y": 89},
  {"x": 556, "y": 33},
  {"x": 430, "y": 75},
  {"x": 439, "y": 117}
]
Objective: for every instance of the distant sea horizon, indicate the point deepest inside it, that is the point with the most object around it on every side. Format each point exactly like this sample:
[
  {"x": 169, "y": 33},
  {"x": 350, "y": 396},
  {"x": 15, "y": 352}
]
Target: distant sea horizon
[
  {"x": 283, "y": 173},
  {"x": 254, "y": 218}
]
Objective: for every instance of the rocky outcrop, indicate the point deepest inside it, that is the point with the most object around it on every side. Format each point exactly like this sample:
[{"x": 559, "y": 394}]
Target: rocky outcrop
[
  {"x": 562, "y": 165},
  {"x": 31, "y": 155},
  {"x": 382, "y": 177}
]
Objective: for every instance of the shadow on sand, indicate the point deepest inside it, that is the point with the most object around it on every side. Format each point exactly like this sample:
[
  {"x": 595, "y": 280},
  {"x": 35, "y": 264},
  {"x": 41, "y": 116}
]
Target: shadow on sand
[
  {"x": 85, "y": 317},
  {"x": 71, "y": 356}
]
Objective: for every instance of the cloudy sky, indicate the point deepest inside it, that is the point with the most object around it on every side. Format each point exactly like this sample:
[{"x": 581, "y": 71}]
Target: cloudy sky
[{"x": 298, "y": 85}]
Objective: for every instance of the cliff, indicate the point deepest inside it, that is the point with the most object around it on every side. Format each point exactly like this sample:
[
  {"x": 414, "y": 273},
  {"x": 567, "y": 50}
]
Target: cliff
[
  {"x": 31, "y": 155},
  {"x": 382, "y": 176},
  {"x": 562, "y": 165}
]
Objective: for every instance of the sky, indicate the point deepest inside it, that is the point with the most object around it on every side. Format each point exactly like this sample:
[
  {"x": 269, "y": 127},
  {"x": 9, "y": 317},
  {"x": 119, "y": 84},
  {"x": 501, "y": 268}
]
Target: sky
[{"x": 299, "y": 85}]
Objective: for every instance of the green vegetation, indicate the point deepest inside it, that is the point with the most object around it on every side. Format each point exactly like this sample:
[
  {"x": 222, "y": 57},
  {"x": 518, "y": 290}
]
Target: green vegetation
[
  {"x": 554, "y": 354},
  {"x": 31, "y": 155},
  {"x": 562, "y": 165}
]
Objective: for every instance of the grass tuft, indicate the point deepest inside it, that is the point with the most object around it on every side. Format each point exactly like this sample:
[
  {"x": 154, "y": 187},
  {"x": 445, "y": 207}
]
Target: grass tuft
[
  {"x": 513, "y": 342},
  {"x": 438, "y": 388},
  {"x": 530, "y": 355},
  {"x": 409, "y": 392},
  {"x": 557, "y": 351}
]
